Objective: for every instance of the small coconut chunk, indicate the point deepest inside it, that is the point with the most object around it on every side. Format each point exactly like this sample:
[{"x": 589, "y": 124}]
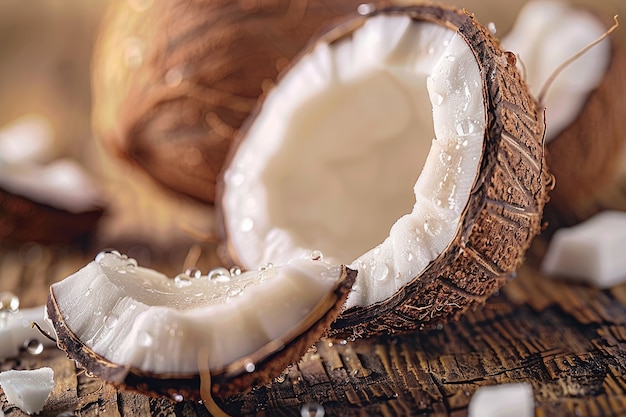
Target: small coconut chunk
[
  {"x": 28, "y": 389},
  {"x": 17, "y": 333},
  {"x": 63, "y": 183},
  {"x": 545, "y": 35},
  {"x": 506, "y": 400},
  {"x": 591, "y": 252},
  {"x": 136, "y": 316},
  {"x": 27, "y": 139}
]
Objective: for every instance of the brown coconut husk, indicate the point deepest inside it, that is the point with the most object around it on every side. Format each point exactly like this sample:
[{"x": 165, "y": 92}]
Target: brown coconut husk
[
  {"x": 587, "y": 157},
  {"x": 175, "y": 111}
]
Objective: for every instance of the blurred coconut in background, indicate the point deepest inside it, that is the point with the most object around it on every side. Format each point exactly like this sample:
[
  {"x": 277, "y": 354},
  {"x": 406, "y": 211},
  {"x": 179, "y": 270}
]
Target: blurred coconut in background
[
  {"x": 170, "y": 83},
  {"x": 174, "y": 81}
]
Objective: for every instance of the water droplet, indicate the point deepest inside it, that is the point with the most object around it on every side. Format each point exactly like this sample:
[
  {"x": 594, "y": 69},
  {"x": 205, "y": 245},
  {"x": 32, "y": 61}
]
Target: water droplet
[
  {"x": 133, "y": 52},
  {"x": 409, "y": 256},
  {"x": 465, "y": 127},
  {"x": 193, "y": 272},
  {"x": 265, "y": 267},
  {"x": 380, "y": 271},
  {"x": 33, "y": 346},
  {"x": 343, "y": 342},
  {"x": 510, "y": 190},
  {"x": 450, "y": 58},
  {"x": 317, "y": 255},
  {"x": 88, "y": 292},
  {"x": 237, "y": 179},
  {"x": 365, "y": 9},
  {"x": 9, "y": 302},
  {"x": 436, "y": 98},
  {"x": 438, "y": 202},
  {"x": 492, "y": 28},
  {"x": 249, "y": 366},
  {"x": 312, "y": 410},
  {"x": 111, "y": 321},
  {"x": 431, "y": 50},
  {"x": 173, "y": 77},
  {"x": 219, "y": 275},
  {"x": 177, "y": 397},
  {"x": 182, "y": 280},
  {"x": 144, "y": 339},
  {"x": 280, "y": 378},
  {"x": 267, "y": 271},
  {"x": 234, "y": 291},
  {"x": 106, "y": 253},
  {"x": 433, "y": 228},
  {"x": 246, "y": 224},
  {"x": 445, "y": 157},
  {"x": 234, "y": 271}
]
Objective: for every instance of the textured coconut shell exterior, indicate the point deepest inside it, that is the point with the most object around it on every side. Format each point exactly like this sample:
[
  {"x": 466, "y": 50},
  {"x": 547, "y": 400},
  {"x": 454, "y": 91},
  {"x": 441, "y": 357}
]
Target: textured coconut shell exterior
[
  {"x": 174, "y": 108},
  {"x": 25, "y": 220},
  {"x": 586, "y": 157},
  {"x": 505, "y": 207},
  {"x": 269, "y": 361}
]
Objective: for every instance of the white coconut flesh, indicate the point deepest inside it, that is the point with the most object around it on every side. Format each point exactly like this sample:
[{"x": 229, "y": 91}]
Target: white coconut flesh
[
  {"x": 136, "y": 316},
  {"x": 545, "y": 35},
  {"x": 366, "y": 150}
]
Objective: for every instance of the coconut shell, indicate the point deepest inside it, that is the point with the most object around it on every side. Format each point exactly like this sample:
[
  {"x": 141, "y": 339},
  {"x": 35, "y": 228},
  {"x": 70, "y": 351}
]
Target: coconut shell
[
  {"x": 504, "y": 211},
  {"x": 586, "y": 157},
  {"x": 23, "y": 219},
  {"x": 173, "y": 83},
  {"x": 269, "y": 361}
]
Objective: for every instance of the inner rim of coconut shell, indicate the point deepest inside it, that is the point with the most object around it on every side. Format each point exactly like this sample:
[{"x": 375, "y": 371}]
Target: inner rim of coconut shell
[{"x": 366, "y": 150}]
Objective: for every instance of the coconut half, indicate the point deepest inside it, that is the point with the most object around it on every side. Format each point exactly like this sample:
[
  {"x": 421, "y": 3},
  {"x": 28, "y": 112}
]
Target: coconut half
[
  {"x": 136, "y": 328},
  {"x": 405, "y": 144},
  {"x": 173, "y": 81},
  {"x": 585, "y": 105}
]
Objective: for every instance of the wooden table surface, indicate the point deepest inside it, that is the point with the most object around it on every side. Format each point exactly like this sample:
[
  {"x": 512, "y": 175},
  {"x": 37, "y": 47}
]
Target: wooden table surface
[{"x": 568, "y": 341}]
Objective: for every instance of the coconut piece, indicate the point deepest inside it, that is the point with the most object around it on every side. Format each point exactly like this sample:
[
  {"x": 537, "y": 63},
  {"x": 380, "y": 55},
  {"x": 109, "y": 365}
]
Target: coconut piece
[
  {"x": 330, "y": 161},
  {"x": 585, "y": 105},
  {"x": 17, "y": 333},
  {"x": 28, "y": 389},
  {"x": 134, "y": 327},
  {"x": 26, "y": 139},
  {"x": 173, "y": 81},
  {"x": 505, "y": 400},
  {"x": 43, "y": 199},
  {"x": 591, "y": 252}
]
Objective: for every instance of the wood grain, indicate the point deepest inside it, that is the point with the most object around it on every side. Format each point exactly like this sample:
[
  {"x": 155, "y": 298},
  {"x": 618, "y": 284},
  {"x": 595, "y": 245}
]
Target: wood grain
[{"x": 568, "y": 341}]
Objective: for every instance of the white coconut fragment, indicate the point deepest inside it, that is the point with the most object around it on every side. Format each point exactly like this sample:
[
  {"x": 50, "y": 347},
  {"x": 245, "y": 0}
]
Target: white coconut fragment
[
  {"x": 591, "y": 252},
  {"x": 138, "y": 317},
  {"x": 28, "y": 167},
  {"x": 292, "y": 188},
  {"x": 16, "y": 332},
  {"x": 60, "y": 183},
  {"x": 28, "y": 389},
  {"x": 505, "y": 400},
  {"x": 26, "y": 139},
  {"x": 545, "y": 35}
]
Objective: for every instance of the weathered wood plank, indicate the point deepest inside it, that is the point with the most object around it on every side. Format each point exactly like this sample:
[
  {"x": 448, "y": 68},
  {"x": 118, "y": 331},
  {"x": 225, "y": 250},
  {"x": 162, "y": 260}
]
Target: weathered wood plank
[{"x": 568, "y": 341}]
